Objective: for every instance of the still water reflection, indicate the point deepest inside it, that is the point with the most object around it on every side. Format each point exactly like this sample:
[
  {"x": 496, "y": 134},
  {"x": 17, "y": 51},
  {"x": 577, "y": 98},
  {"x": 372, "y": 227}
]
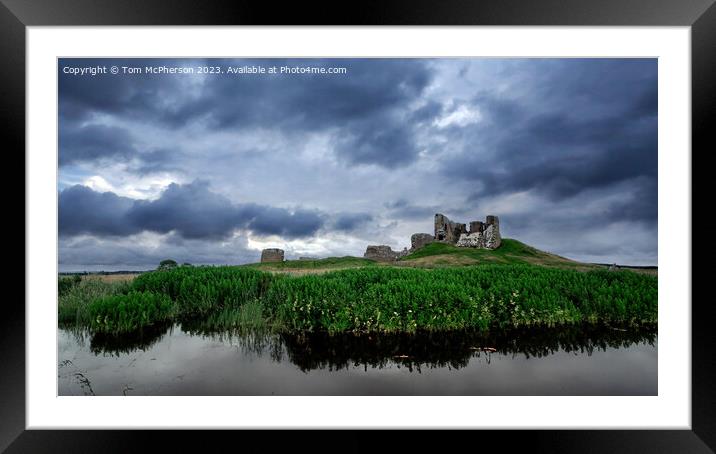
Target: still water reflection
[{"x": 187, "y": 360}]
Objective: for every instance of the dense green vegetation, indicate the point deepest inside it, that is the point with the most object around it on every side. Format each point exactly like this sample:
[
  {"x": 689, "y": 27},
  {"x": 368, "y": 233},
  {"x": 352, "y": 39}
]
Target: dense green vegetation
[
  {"x": 126, "y": 312},
  {"x": 74, "y": 301},
  {"x": 394, "y": 299},
  {"x": 198, "y": 291},
  {"x": 370, "y": 299},
  {"x": 65, "y": 284}
]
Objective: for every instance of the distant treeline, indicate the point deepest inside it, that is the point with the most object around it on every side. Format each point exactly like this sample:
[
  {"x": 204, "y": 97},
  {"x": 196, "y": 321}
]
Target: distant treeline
[{"x": 636, "y": 267}]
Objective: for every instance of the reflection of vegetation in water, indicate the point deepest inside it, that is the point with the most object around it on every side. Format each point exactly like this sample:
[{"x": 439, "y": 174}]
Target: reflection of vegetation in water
[
  {"x": 255, "y": 340},
  {"x": 309, "y": 351},
  {"x": 247, "y": 317},
  {"x": 79, "y": 333},
  {"x": 117, "y": 344},
  {"x": 106, "y": 344},
  {"x": 373, "y": 299},
  {"x": 454, "y": 350}
]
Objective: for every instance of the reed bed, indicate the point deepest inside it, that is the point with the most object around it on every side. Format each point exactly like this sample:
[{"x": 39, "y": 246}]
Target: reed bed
[{"x": 375, "y": 299}]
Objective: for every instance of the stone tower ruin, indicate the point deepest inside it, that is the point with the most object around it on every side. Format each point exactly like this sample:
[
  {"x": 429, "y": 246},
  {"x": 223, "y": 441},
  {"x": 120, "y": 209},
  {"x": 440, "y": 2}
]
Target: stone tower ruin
[{"x": 272, "y": 255}]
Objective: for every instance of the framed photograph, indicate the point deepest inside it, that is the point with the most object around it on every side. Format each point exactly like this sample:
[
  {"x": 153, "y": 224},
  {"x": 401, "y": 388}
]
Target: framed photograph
[{"x": 451, "y": 217}]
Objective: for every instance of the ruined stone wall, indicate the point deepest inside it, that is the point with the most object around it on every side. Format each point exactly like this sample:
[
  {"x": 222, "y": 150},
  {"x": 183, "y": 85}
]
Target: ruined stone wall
[
  {"x": 272, "y": 255},
  {"x": 446, "y": 230},
  {"x": 383, "y": 253},
  {"x": 472, "y": 239},
  {"x": 477, "y": 226},
  {"x": 484, "y": 235},
  {"x": 418, "y": 240},
  {"x": 493, "y": 239}
]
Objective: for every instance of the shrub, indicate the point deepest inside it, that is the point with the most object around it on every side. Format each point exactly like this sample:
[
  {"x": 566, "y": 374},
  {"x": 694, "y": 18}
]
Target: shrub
[{"x": 167, "y": 264}]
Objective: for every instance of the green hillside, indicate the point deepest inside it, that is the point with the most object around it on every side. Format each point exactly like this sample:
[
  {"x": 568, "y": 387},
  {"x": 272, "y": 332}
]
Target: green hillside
[
  {"x": 511, "y": 251},
  {"x": 434, "y": 255}
]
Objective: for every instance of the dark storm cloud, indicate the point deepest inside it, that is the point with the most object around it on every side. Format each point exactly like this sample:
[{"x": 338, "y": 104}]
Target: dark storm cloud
[
  {"x": 640, "y": 204},
  {"x": 403, "y": 209},
  {"x": 367, "y": 106},
  {"x": 570, "y": 217},
  {"x": 563, "y": 150},
  {"x": 81, "y": 98},
  {"x": 374, "y": 143},
  {"x": 90, "y": 142},
  {"x": 158, "y": 160},
  {"x": 346, "y": 222},
  {"x": 309, "y": 102},
  {"x": 93, "y": 142},
  {"x": 426, "y": 113},
  {"x": 587, "y": 124},
  {"x": 278, "y": 221},
  {"x": 82, "y": 210},
  {"x": 191, "y": 211}
]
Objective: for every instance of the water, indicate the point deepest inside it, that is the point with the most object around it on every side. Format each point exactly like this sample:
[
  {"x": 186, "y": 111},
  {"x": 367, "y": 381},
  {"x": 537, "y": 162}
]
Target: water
[{"x": 184, "y": 360}]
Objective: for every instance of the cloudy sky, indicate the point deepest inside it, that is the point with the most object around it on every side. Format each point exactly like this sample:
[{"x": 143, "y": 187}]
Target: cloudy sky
[{"x": 212, "y": 168}]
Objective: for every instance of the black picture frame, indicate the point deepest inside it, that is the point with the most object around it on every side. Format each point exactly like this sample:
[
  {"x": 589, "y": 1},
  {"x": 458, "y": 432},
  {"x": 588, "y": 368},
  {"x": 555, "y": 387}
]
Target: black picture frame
[{"x": 16, "y": 15}]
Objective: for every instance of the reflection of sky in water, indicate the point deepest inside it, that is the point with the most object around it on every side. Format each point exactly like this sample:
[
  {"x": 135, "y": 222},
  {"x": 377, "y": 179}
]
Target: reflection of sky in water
[{"x": 177, "y": 363}]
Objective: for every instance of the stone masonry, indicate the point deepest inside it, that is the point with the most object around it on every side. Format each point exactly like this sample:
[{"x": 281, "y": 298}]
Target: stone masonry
[
  {"x": 383, "y": 253},
  {"x": 446, "y": 230},
  {"x": 418, "y": 240},
  {"x": 484, "y": 235},
  {"x": 272, "y": 255}
]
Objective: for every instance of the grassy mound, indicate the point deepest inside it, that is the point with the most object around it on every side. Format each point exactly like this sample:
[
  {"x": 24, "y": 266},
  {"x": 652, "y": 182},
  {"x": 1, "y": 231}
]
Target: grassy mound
[{"x": 511, "y": 251}]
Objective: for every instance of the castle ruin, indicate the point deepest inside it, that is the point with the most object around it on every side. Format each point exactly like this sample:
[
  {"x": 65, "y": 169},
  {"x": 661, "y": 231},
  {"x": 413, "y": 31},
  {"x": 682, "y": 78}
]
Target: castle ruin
[
  {"x": 272, "y": 255},
  {"x": 483, "y": 235},
  {"x": 383, "y": 253},
  {"x": 480, "y": 235}
]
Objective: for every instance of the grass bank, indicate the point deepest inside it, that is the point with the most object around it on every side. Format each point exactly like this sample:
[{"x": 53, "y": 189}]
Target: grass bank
[
  {"x": 368, "y": 299},
  {"x": 435, "y": 255}
]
